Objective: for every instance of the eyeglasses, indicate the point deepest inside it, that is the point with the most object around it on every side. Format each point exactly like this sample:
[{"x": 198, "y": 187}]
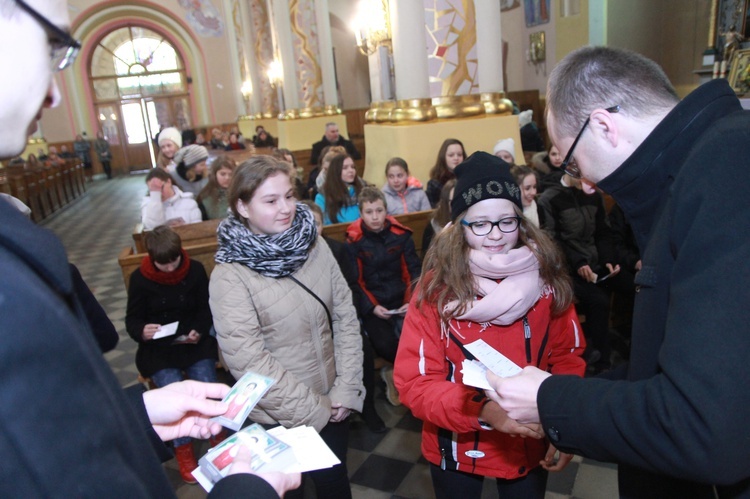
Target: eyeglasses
[
  {"x": 569, "y": 164},
  {"x": 64, "y": 47},
  {"x": 484, "y": 227}
]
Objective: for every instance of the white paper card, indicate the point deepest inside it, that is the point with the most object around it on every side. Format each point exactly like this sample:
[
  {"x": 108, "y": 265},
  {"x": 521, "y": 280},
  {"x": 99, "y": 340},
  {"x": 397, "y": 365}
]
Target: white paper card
[
  {"x": 475, "y": 374},
  {"x": 492, "y": 359},
  {"x": 167, "y": 330},
  {"x": 311, "y": 451}
]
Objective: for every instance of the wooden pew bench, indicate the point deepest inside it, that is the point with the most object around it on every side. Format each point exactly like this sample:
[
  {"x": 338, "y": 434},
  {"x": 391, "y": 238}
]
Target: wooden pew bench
[{"x": 199, "y": 241}]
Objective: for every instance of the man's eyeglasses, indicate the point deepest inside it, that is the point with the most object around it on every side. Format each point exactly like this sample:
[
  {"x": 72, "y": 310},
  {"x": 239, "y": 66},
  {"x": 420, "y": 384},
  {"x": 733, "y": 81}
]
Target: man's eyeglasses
[
  {"x": 484, "y": 227},
  {"x": 569, "y": 164},
  {"x": 64, "y": 47}
]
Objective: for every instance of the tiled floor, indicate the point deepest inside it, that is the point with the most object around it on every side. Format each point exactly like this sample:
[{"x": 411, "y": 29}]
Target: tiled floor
[{"x": 389, "y": 465}]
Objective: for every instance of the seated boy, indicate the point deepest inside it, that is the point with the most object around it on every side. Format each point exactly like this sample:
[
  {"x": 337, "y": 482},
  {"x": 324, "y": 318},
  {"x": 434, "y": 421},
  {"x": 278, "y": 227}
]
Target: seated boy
[
  {"x": 166, "y": 204},
  {"x": 387, "y": 265}
]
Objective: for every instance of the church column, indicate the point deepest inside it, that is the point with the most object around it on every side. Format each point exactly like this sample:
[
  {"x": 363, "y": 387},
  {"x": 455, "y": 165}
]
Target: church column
[
  {"x": 410, "y": 62},
  {"x": 490, "y": 56}
]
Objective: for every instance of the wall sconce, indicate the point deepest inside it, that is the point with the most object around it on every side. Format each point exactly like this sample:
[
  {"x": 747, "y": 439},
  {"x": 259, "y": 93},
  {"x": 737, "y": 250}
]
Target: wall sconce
[
  {"x": 537, "y": 47},
  {"x": 247, "y": 89},
  {"x": 372, "y": 27},
  {"x": 275, "y": 73}
]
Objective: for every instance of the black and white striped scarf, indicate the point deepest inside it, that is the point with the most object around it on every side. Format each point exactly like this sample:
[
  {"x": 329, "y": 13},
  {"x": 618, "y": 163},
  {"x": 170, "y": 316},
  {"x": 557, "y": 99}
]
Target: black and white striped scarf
[{"x": 279, "y": 255}]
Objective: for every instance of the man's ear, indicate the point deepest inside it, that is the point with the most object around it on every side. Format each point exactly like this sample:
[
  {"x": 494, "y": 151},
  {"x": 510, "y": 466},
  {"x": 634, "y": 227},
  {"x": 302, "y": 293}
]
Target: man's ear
[
  {"x": 604, "y": 127},
  {"x": 242, "y": 209}
]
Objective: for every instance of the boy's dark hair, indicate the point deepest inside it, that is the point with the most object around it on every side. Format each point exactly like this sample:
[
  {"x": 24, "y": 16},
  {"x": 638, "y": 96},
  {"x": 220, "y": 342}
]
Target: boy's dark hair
[
  {"x": 370, "y": 195},
  {"x": 158, "y": 173},
  {"x": 163, "y": 244}
]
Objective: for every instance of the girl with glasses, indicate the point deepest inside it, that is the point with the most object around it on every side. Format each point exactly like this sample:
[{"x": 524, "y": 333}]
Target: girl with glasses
[{"x": 491, "y": 276}]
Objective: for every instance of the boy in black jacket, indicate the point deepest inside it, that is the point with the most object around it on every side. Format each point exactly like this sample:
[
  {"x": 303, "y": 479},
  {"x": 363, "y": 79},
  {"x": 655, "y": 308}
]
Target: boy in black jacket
[{"x": 387, "y": 267}]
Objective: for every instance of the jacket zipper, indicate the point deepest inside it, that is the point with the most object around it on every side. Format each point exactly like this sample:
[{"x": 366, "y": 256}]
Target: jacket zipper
[
  {"x": 527, "y": 338},
  {"x": 442, "y": 459}
]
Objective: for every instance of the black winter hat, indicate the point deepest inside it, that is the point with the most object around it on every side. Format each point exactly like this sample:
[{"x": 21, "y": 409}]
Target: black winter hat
[{"x": 483, "y": 176}]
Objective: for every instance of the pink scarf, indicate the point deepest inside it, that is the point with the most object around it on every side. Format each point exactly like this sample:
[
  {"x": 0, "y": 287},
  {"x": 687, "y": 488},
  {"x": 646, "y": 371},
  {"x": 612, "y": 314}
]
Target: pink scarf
[{"x": 506, "y": 301}]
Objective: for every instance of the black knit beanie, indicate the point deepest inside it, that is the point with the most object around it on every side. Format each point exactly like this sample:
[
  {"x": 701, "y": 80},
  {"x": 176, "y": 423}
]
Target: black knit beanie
[{"x": 483, "y": 176}]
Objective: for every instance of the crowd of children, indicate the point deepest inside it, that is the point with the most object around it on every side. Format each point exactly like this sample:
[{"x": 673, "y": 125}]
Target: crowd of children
[{"x": 495, "y": 254}]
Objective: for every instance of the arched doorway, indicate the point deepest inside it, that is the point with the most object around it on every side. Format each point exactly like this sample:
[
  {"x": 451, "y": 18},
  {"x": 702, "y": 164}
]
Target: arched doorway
[{"x": 138, "y": 85}]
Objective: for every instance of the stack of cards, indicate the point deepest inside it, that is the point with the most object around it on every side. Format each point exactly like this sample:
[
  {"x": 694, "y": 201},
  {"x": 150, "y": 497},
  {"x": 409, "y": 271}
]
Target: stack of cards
[
  {"x": 487, "y": 358},
  {"x": 242, "y": 398},
  {"x": 269, "y": 454}
]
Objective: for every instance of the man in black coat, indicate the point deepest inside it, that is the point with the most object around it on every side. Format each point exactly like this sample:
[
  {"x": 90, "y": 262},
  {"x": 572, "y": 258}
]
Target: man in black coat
[
  {"x": 675, "y": 418},
  {"x": 332, "y": 138},
  {"x": 67, "y": 429}
]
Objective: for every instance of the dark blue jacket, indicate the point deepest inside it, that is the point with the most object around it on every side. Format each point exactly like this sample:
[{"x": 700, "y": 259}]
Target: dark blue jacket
[
  {"x": 677, "y": 420},
  {"x": 387, "y": 264}
]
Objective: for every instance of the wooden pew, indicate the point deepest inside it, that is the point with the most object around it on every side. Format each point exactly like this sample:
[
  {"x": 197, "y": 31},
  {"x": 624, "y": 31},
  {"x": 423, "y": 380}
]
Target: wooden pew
[
  {"x": 199, "y": 240},
  {"x": 416, "y": 221}
]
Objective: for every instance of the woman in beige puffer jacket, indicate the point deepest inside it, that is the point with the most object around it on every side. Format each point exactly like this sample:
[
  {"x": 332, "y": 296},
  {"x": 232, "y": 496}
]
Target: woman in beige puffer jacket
[{"x": 268, "y": 323}]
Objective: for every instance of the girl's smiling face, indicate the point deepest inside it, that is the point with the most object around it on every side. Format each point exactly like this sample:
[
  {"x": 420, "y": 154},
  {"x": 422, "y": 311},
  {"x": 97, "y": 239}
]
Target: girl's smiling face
[
  {"x": 528, "y": 189},
  {"x": 491, "y": 210}
]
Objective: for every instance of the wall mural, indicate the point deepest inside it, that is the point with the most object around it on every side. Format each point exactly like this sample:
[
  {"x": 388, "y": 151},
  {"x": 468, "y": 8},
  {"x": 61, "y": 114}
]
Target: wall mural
[
  {"x": 203, "y": 17},
  {"x": 451, "y": 47},
  {"x": 264, "y": 55},
  {"x": 306, "y": 50}
]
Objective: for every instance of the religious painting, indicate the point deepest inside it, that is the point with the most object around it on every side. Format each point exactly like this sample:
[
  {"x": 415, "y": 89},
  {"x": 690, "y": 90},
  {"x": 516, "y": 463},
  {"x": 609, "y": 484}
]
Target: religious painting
[
  {"x": 739, "y": 74},
  {"x": 537, "y": 12}
]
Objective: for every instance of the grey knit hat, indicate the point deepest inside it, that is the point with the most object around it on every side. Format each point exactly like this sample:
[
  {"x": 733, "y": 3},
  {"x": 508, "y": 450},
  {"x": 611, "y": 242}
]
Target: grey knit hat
[
  {"x": 483, "y": 176},
  {"x": 191, "y": 155}
]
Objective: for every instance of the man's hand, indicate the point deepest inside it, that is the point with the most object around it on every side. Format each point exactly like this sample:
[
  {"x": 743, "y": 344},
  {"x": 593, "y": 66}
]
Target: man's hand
[
  {"x": 517, "y": 395},
  {"x": 184, "y": 409},
  {"x": 281, "y": 482},
  {"x": 492, "y": 414}
]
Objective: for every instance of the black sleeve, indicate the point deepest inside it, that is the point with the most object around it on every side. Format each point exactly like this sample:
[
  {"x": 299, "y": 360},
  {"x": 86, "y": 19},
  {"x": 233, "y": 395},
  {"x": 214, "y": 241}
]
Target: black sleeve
[
  {"x": 604, "y": 239},
  {"x": 413, "y": 263},
  {"x": 433, "y": 192},
  {"x": 134, "y": 394},
  {"x": 104, "y": 331},
  {"x": 352, "y": 149},
  {"x": 135, "y": 314},
  {"x": 202, "y": 319},
  {"x": 243, "y": 486},
  {"x": 317, "y": 148}
]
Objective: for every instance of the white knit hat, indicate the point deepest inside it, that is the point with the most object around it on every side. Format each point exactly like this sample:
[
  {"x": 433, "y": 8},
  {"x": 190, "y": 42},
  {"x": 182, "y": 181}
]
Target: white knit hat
[
  {"x": 172, "y": 134},
  {"x": 505, "y": 145},
  {"x": 524, "y": 118}
]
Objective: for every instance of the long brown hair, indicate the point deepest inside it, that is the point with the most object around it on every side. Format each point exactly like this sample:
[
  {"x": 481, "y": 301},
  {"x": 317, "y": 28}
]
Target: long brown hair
[
  {"x": 212, "y": 187},
  {"x": 440, "y": 170},
  {"x": 446, "y": 275},
  {"x": 336, "y": 190}
]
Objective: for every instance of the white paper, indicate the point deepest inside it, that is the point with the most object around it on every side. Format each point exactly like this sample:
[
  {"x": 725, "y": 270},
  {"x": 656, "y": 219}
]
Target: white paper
[
  {"x": 475, "y": 374},
  {"x": 311, "y": 451},
  {"x": 167, "y": 330},
  {"x": 492, "y": 359},
  {"x": 202, "y": 479}
]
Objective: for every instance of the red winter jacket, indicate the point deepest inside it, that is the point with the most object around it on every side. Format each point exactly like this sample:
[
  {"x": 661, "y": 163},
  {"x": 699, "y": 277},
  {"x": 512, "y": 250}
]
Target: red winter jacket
[{"x": 429, "y": 381}]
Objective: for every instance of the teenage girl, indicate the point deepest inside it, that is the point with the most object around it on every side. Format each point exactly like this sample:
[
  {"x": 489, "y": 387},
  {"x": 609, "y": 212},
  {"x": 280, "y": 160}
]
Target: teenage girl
[
  {"x": 403, "y": 194},
  {"x": 340, "y": 191},
  {"x": 213, "y": 197},
  {"x": 491, "y": 276},
  {"x": 527, "y": 180},
  {"x": 451, "y": 154}
]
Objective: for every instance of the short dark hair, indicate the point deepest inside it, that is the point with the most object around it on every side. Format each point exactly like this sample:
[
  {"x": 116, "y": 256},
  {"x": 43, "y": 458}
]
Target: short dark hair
[
  {"x": 158, "y": 173},
  {"x": 369, "y": 195},
  {"x": 163, "y": 244}
]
